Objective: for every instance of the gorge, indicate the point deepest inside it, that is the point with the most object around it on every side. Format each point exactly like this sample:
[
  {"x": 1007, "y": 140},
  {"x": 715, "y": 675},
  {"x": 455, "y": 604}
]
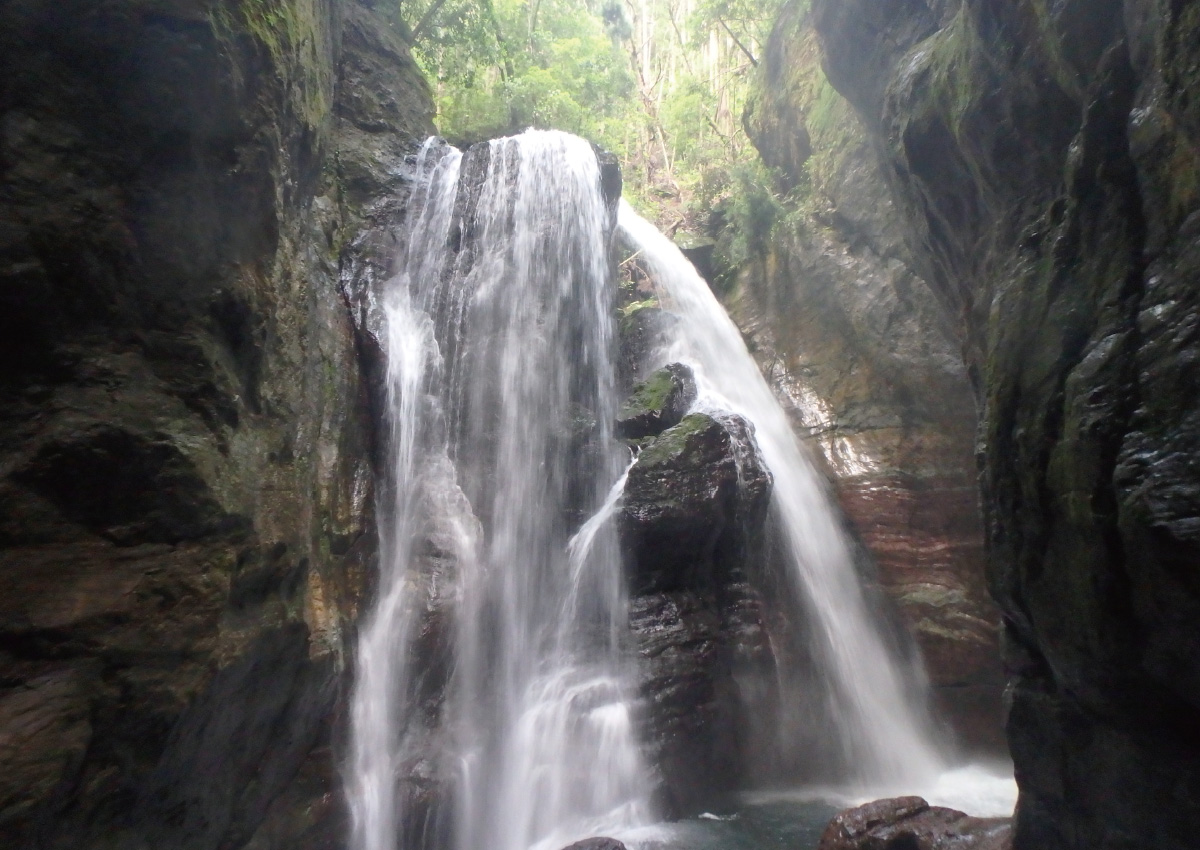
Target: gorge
[{"x": 575, "y": 538}]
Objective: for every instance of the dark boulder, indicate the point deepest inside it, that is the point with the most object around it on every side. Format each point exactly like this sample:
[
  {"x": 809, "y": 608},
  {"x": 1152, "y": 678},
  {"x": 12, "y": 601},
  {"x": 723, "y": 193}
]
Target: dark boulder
[
  {"x": 679, "y": 501},
  {"x": 694, "y": 508},
  {"x": 685, "y": 677},
  {"x": 657, "y": 403},
  {"x": 596, "y": 844},
  {"x": 910, "y": 823}
]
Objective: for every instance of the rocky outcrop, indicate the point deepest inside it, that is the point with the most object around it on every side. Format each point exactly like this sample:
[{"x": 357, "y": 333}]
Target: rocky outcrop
[
  {"x": 657, "y": 403},
  {"x": 691, "y": 527},
  {"x": 185, "y": 438},
  {"x": 842, "y": 324},
  {"x": 1043, "y": 160},
  {"x": 912, "y": 824}
]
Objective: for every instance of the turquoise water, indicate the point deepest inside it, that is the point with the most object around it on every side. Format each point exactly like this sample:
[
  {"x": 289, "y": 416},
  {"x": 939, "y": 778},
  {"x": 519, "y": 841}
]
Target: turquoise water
[
  {"x": 779, "y": 825},
  {"x": 793, "y": 819}
]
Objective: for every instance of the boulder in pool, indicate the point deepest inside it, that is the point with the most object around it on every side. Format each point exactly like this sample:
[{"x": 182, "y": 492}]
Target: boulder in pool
[
  {"x": 912, "y": 824},
  {"x": 598, "y": 843}
]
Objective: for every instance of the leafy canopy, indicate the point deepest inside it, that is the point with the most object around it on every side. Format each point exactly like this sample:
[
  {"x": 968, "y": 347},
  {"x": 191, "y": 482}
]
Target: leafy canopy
[{"x": 661, "y": 83}]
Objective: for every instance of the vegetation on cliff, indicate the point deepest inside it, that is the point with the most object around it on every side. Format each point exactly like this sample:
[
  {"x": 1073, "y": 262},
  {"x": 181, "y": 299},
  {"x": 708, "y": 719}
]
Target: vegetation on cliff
[{"x": 661, "y": 83}]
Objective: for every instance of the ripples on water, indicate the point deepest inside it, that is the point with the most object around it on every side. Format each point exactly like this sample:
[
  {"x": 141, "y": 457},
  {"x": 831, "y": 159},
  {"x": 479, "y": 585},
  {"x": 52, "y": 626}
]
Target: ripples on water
[{"x": 793, "y": 819}]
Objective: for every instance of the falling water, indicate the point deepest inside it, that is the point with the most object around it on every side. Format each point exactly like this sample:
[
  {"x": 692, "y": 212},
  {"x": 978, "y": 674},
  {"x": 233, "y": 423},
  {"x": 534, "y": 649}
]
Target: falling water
[
  {"x": 882, "y": 730},
  {"x": 499, "y": 337}
]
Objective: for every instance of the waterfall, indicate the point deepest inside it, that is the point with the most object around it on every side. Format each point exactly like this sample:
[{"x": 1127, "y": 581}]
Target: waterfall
[
  {"x": 882, "y": 731},
  {"x": 496, "y": 547}
]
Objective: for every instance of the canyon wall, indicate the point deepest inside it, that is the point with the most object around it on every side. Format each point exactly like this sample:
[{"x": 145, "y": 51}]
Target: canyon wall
[
  {"x": 1044, "y": 160},
  {"x": 186, "y": 191},
  {"x": 842, "y": 323}
]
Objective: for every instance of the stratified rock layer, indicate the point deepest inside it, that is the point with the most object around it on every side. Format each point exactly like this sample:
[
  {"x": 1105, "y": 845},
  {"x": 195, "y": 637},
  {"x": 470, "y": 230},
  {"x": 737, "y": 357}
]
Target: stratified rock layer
[
  {"x": 1045, "y": 161},
  {"x": 185, "y": 433}
]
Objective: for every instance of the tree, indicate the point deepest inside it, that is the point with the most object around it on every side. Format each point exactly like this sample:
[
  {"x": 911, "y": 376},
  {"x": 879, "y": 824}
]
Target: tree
[{"x": 662, "y": 83}]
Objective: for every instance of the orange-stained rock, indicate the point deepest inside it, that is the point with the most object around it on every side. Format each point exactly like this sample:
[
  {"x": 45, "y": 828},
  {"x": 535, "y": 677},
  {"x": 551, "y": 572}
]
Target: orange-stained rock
[{"x": 856, "y": 345}]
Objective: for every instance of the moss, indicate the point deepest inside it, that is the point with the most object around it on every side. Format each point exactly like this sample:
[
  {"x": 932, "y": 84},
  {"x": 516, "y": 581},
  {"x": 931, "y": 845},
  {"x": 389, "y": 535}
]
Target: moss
[
  {"x": 792, "y": 97},
  {"x": 296, "y": 36},
  {"x": 837, "y": 137},
  {"x": 952, "y": 71},
  {"x": 651, "y": 394},
  {"x": 674, "y": 442},
  {"x": 1049, "y": 44},
  {"x": 634, "y": 306},
  {"x": 961, "y": 69}
]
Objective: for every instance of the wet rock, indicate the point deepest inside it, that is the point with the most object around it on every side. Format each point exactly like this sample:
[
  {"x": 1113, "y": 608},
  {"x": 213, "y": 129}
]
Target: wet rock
[
  {"x": 45, "y": 729},
  {"x": 231, "y": 731},
  {"x": 685, "y": 679},
  {"x": 925, "y": 536},
  {"x": 909, "y": 823},
  {"x": 185, "y": 433},
  {"x": 1051, "y": 204},
  {"x": 691, "y": 524},
  {"x": 700, "y": 252},
  {"x": 842, "y": 324},
  {"x": 596, "y": 844},
  {"x": 679, "y": 500},
  {"x": 657, "y": 403},
  {"x": 641, "y": 334},
  {"x": 121, "y": 485}
]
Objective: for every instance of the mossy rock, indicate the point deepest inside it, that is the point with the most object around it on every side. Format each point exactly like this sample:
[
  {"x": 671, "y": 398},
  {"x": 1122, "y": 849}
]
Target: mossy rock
[
  {"x": 679, "y": 499},
  {"x": 687, "y": 443},
  {"x": 658, "y": 403}
]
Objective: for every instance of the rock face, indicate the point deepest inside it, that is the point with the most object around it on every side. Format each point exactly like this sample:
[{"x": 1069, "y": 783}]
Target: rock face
[
  {"x": 1043, "y": 160},
  {"x": 854, "y": 342},
  {"x": 185, "y": 431},
  {"x": 909, "y": 823},
  {"x": 691, "y": 526}
]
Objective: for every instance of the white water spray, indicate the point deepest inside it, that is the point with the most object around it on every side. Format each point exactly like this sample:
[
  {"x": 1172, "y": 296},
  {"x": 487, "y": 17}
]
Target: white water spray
[
  {"x": 883, "y": 733},
  {"x": 499, "y": 335}
]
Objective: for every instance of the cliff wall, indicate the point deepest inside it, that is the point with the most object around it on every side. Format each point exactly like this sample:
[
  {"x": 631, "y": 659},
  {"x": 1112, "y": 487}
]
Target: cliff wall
[
  {"x": 1045, "y": 162},
  {"x": 186, "y": 492},
  {"x": 842, "y": 323}
]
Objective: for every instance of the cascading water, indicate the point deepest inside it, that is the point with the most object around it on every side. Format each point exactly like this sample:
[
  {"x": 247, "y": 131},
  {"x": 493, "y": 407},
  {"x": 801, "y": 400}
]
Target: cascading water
[
  {"x": 499, "y": 336},
  {"x": 882, "y": 731}
]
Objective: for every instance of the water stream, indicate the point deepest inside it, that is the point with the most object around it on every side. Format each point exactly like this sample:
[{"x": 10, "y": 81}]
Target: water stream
[
  {"x": 500, "y": 405},
  {"x": 492, "y": 700},
  {"x": 877, "y": 701},
  {"x": 882, "y": 730}
]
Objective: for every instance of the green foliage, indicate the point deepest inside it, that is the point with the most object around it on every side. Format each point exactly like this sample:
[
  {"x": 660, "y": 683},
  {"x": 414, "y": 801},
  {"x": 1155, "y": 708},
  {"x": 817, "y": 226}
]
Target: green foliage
[
  {"x": 749, "y": 214},
  {"x": 661, "y": 83},
  {"x": 749, "y": 21},
  {"x": 499, "y": 67},
  {"x": 634, "y": 306}
]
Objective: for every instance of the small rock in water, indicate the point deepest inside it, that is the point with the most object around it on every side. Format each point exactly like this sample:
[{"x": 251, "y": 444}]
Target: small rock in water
[
  {"x": 912, "y": 824},
  {"x": 598, "y": 843}
]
